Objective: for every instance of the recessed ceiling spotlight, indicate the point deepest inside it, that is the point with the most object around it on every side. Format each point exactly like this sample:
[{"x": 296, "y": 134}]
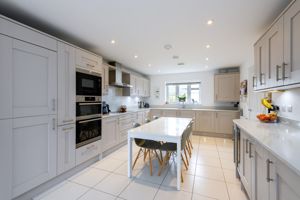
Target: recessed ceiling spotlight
[
  {"x": 207, "y": 46},
  {"x": 206, "y": 59},
  {"x": 112, "y": 41},
  {"x": 168, "y": 46},
  {"x": 210, "y": 22},
  {"x": 175, "y": 57},
  {"x": 180, "y": 64},
  {"x": 136, "y": 56}
]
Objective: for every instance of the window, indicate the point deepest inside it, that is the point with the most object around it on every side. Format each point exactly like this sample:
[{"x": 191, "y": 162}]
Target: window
[{"x": 190, "y": 92}]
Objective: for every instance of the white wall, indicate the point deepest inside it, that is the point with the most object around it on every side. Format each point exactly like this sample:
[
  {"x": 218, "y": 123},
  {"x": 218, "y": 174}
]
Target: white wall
[{"x": 207, "y": 86}]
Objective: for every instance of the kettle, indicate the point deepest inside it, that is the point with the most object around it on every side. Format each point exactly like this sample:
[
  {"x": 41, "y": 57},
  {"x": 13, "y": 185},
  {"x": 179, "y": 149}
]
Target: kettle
[{"x": 105, "y": 108}]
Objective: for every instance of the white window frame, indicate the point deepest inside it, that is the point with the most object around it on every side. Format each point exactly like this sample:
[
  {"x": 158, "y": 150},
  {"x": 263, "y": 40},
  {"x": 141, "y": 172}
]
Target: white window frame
[{"x": 188, "y": 95}]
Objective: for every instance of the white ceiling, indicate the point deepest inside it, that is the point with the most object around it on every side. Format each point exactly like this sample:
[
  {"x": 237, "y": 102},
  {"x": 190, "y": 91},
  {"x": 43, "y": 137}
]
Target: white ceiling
[{"x": 143, "y": 27}]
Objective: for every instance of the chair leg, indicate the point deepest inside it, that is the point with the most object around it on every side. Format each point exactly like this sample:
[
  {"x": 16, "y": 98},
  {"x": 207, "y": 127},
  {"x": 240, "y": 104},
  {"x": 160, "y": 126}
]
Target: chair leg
[
  {"x": 158, "y": 158},
  {"x": 184, "y": 162},
  {"x": 163, "y": 164},
  {"x": 145, "y": 154},
  {"x": 186, "y": 157},
  {"x": 161, "y": 156},
  {"x": 189, "y": 149},
  {"x": 137, "y": 156},
  {"x": 150, "y": 161},
  {"x": 190, "y": 143},
  {"x": 181, "y": 178}
]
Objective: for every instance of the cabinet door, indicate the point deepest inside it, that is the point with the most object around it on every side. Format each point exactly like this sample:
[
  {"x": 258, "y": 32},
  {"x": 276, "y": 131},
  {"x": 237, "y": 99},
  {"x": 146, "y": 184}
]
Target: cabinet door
[
  {"x": 66, "y": 84},
  {"x": 6, "y": 158},
  {"x": 105, "y": 80},
  {"x": 5, "y": 77},
  {"x": 275, "y": 54},
  {"x": 224, "y": 123},
  {"x": 146, "y": 88},
  {"x": 261, "y": 64},
  {"x": 292, "y": 44},
  {"x": 133, "y": 82},
  {"x": 66, "y": 148},
  {"x": 227, "y": 87},
  {"x": 34, "y": 80},
  {"x": 169, "y": 113},
  {"x": 205, "y": 121},
  {"x": 140, "y": 86},
  {"x": 34, "y": 152},
  {"x": 88, "y": 61},
  {"x": 155, "y": 112},
  {"x": 109, "y": 132},
  {"x": 246, "y": 176},
  {"x": 140, "y": 118},
  {"x": 284, "y": 183},
  {"x": 260, "y": 186}
]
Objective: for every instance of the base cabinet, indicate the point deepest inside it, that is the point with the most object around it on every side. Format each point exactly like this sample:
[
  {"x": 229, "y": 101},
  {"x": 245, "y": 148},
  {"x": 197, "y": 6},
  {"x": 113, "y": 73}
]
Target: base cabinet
[
  {"x": 66, "y": 146},
  {"x": 34, "y": 158},
  {"x": 205, "y": 121},
  {"x": 109, "y": 132},
  {"x": 224, "y": 122}
]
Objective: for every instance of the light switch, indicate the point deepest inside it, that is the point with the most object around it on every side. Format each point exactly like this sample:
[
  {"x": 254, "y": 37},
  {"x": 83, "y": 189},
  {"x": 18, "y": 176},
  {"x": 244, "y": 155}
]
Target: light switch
[{"x": 290, "y": 108}]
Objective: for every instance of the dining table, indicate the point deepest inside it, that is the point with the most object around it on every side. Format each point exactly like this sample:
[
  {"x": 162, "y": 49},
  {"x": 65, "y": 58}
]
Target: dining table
[{"x": 163, "y": 129}]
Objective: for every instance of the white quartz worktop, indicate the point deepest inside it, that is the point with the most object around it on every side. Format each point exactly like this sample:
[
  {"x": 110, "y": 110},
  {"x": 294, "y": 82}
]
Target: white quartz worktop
[
  {"x": 281, "y": 139},
  {"x": 116, "y": 114},
  {"x": 199, "y": 109}
]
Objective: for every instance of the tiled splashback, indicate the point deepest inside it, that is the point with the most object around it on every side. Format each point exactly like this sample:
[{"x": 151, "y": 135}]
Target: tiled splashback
[{"x": 115, "y": 100}]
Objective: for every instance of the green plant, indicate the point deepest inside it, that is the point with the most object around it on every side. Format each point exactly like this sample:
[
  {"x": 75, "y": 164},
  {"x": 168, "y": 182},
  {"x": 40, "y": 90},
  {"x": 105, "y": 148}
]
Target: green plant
[{"x": 182, "y": 98}]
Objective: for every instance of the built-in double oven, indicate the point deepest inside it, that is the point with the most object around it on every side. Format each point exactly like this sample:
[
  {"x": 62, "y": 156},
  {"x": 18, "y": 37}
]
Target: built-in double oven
[{"x": 88, "y": 107}]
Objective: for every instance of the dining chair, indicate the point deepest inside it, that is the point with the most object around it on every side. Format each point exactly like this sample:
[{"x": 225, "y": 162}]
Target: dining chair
[
  {"x": 147, "y": 147},
  {"x": 189, "y": 145},
  {"x": 147, "y": 120},
  {"x": 171, "y": 149},
  {"x": 155, "y": 117}
]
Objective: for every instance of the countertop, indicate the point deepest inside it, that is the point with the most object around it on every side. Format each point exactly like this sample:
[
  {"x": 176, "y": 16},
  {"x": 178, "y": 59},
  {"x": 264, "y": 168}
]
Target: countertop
[
  {"x": 200, "y": 109},
  {"x": 281, "y": 139},
  {"x": 116, "y": 114}
]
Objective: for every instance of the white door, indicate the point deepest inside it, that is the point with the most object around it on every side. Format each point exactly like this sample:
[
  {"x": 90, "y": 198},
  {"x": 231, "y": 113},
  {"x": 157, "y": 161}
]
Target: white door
[
  {"x": 274, "y": 39},
  {"x": 66, "y": 84},
  {"x": 260, "y": 185},
  {"x": 5, "y": 77},
  {"x": 6, "y": 159},
  {"x": 109, "y": 132},
  {"x": 34, "y": 80},
  {"x": 66, "y": 148},
  {"x": 284, "y": 183},
  {"x": 292, "y": 44},
  {"x": 34, "y": 152}
]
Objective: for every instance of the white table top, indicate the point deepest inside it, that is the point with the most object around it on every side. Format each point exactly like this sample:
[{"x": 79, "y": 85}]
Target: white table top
[
  {"x": 282, "y": 140},
  {"x": 162, "y": 129}
]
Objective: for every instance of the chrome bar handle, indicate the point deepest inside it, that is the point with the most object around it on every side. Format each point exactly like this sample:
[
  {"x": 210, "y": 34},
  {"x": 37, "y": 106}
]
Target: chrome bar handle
[
  {"x": 89, "y": 65},
  {"x": 247, "y": 151},
  {"x": 262, "y": 77},
  {"x": 254, "y": 79},
  {"x": 269, "y": 162},
  {"x": 250, "y": 150},
  {"x": 67, "y": 129},
  {"x": 53, "y": 104},
  {"x": 283, "y": 71},
  {"x": 68, "y": 120},
  {"x": 53, "y": 124},
  {"x": 277, "y": 73},
  {"x": 91, "y": 120}
]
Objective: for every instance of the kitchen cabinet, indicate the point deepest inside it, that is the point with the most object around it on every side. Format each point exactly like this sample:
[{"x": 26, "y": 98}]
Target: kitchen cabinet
[
  {"x": 105, "y": 79},
  {"x": 276, "y": 62},
  {"x": 227, "y": 87},
  {"x": 146, "y": 86},
  {"x": 88, "y": 61},
  {"x": 140, "y": 86},
  {"x": 6, "y": 159},
  {"x": 133, "y": 82},
  {"x": 224, "y": 123},
  {"x": 291, "y": 65},
  {"x": 87, "y": 152},
  {"x": 66, "y": 148},
  {"x": 140, "y": 118},
  {"x": 155, "y": 112},
  {"x": 66, "y": 84},
  {"x": 34, "y": 155},
  {"x": 6, "y": 97},
  {"x": 126, "y": 123},
  {"x": 169, "y": 113},
  {"x": 110, "y": 126},
  {"x": 34, "y": 79},
  {"x": 205, "y": 121}
]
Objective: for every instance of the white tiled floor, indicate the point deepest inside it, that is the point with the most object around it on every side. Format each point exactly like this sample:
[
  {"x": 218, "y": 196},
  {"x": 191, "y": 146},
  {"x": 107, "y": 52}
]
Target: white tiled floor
[{"x": 210, "y": 176}]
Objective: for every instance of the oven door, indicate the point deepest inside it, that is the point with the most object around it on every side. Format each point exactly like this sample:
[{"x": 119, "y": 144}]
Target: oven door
[
  {"x": 88, "y": 131},
  {"x": 87, "y": 110},
  {"x": 88, "y": 84}
]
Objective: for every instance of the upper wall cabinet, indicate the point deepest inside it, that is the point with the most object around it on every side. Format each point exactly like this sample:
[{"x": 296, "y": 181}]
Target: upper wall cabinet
[
  {"x": 105, "y": 79},
  {"x": 66, "y": 84},
  {"x": 227, "y": 87},
  {"x": 277, "y": 63},
  {"x": 29, "y": 79},
  {"x": 89, "y": 61}
]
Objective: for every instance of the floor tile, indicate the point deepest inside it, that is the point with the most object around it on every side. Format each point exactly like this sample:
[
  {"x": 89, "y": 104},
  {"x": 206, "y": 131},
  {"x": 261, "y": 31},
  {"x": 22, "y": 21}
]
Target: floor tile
[
  {"x": 171, "y": 180},
  {"x": 209, "y": 172},
  {"x": 66, "y": 191},
  {"x": 108, "y": 164},
  {"x": 145, "y": 174},
  {"x": 235, "y": 192},
  {"x": 165, "y": 193},
  {"x": 113, "y": 184},
  {"x": 227, "y": 164},
  {"x": 210, "y": 147},
  {"x": 214, "y": 162},
  {"x": 139, "y": 189},
  {"x": 119, "y": 155},
  {"x": 225, "y": 149},
  {"x": 191, "y": 169},
  {"x": 226, "y": 156},
  {"x": 210, "y": 188},
  {"x": 123, "y": 169},
  {"x": 201, "y": 197},
  {"x": 230, "y": 177},
  {"x": 207, "y": 140},
  {"x": 96, "y": 195},
  {"x": 208, "y": 153},
  {"x": 90, "y": 177}
]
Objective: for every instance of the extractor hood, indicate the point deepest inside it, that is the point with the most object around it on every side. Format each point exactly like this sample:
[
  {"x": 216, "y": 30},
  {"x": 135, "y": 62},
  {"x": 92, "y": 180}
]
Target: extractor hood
[{"x": 118, "y": 78}]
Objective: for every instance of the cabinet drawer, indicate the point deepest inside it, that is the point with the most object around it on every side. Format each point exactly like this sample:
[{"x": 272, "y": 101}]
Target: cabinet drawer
[
  {"x": 88, "y": 61},
  {"x": 87, "y": 152}
]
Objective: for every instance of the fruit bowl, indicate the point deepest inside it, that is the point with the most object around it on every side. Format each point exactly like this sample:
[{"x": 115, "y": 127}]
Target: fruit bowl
[{"x": 268, "y": 118}]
